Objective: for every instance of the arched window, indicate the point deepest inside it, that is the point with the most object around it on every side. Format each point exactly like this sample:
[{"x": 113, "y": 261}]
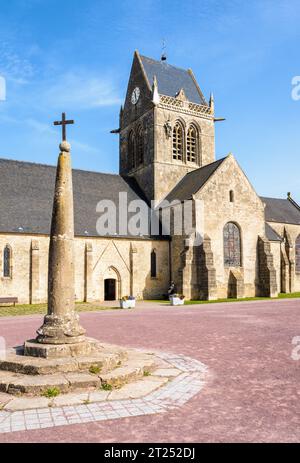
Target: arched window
[
  {"x": 178, "y": 142},
  {"x": 232, "y": 245},
  {"x": 191, "y": 144},
  {"x": 297, "y": 252},
  {"x": 7, "y": 262},
  {"x": 231, "y": 196},
  {"x": 140, "y": 147},
  {"x": 131, "y": 150},
  {"x": 153, "y": 264}
]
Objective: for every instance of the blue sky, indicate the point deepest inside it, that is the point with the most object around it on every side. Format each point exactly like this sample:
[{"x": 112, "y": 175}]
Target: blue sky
[{"x": 76, "y": 56}]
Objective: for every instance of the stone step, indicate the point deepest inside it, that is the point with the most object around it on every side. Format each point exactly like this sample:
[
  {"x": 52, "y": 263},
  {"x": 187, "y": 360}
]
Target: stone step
[
  {"x": 135, "y": 367},
  {"x": 104, "y": 361},
  {"x": 36, "y": 366},
  {"x": 37, "y": 385},
  {"x": 131, "y": 369}
]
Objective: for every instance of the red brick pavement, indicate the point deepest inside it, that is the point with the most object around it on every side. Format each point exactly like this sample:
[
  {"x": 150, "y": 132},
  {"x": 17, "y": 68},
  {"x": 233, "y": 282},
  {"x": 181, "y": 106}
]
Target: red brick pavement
[{"x": 253, "y": 394}]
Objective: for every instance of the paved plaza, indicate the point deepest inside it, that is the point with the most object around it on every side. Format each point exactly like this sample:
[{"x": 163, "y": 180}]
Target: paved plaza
[{"x": 238, "y": 381}]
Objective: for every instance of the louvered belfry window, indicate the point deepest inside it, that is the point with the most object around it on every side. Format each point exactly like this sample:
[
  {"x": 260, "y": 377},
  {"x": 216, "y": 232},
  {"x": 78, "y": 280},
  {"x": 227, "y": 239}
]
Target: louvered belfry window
[
  {"x": 191, "y": 144},
  {"x": 140, "y": 147},
  {"x": 7, "y": 262},
  {"x": 297, "y": 252},
  {"x": 232, "y": 245},
  {"x": 178, "y": 142},
  {"x": 131, "y": 150}
]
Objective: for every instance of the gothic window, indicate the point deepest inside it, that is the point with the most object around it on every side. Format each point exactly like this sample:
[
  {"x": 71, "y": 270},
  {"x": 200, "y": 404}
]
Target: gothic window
[
  {"x": 140, "y": 147},
  {"x": 178, "y": 142},
  {"x": 131, "y": 150},
  {"x": 297, "y": 251},
  {"x": 232, "y": 245},
  {"x": 7, "y": 262},
  {"x": 153, "y": 264},
  {"x": 191, "y": 144}
]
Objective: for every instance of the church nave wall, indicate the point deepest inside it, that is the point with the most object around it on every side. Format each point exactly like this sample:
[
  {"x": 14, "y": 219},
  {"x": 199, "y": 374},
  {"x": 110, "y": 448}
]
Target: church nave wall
[{"x": 96, "y": 259}]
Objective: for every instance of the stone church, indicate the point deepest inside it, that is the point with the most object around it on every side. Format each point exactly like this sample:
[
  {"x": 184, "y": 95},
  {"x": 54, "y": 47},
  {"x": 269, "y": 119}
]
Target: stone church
[{"x": 251, "y": 244}]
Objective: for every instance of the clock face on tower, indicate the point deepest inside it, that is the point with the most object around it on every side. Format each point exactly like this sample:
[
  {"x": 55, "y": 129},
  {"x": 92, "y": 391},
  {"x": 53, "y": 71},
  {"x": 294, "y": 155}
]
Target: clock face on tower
[{"x": 135, "y": 95}]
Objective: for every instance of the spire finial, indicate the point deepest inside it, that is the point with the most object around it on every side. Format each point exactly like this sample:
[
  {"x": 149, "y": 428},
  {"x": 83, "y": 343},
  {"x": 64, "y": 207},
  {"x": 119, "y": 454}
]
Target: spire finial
[{"x": 163, "y": 51}]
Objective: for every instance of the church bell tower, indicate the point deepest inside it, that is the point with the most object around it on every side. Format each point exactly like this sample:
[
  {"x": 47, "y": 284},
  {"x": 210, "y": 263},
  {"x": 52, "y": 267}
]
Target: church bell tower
[{"x": 166, "y": 126}]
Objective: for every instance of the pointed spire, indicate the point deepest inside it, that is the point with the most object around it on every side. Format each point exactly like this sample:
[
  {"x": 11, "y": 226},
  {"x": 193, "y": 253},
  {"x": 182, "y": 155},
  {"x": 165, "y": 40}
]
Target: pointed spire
[
  {"x": 212, "y": 103},
  {"x": 155, "y": 94}
]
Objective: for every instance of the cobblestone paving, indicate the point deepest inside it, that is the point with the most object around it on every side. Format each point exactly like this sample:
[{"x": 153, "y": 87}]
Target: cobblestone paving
[
  {"x": 251, "y": 392},
  {"x": 174, "y": 394}
]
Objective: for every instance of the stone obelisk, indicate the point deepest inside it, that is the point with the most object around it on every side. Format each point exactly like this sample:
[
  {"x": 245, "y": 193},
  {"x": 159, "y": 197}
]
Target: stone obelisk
[
  {"x": 61, "y": 329},
  {"x": 61, "y": 324}
]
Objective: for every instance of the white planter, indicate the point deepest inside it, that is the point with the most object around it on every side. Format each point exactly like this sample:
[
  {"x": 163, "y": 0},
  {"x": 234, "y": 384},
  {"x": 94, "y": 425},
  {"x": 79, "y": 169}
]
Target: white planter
[
  {"x": 128, "y": 304},
  {"x": 176, "y": 301}
]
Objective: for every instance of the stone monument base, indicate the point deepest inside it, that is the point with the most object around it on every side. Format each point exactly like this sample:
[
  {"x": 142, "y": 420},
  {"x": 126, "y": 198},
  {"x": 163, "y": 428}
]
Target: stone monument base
[
  {"x": 34, "y": 348},
  {"x": 86, "y": 366}
]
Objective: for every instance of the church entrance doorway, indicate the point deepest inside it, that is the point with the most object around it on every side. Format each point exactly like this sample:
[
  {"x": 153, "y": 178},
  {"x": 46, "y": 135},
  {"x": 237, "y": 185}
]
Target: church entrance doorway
[{"x": 110, "y": 289}]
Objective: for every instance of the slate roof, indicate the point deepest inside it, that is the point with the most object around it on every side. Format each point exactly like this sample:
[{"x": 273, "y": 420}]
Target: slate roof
[
  {"x": 281, "y": 210},
  {"x": 26, "y": 196},
  {"x": 193, "y": 181},
  {"x": 271, "y": 234},
  {"x": 171, "y": 80}
]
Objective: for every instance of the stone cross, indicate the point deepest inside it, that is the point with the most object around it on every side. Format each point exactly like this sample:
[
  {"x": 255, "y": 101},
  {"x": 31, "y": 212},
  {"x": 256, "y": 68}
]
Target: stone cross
[{"x": 63, "y": 123}]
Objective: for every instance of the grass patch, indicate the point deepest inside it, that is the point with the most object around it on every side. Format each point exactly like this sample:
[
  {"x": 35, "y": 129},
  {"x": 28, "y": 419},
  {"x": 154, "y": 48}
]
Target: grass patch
[
  {"x": 288, "y": 296},
  {"x": 146, "y": 373},
  {"x": 245, "y": 299},
  {"x": 41, "y": 309},
  {"x": 94, "y": 369},
  {"x": 51, "y": 392},
  {"x": 106, "y": 387},
  {"x": 33, "y": 309}
]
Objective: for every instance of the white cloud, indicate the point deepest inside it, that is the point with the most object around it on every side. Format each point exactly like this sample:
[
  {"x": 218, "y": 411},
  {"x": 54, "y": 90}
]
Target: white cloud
[
  {"x": 12, "y": 65},
  {"x": 40, "y": 127},
  {"x": 78, "y": 91},
  {"x": 45, "y": 129}
]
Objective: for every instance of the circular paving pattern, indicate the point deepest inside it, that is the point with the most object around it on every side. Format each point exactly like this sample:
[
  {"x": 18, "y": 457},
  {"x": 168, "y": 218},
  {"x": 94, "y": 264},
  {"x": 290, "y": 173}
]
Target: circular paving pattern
[{"x": 189, "y": 380}]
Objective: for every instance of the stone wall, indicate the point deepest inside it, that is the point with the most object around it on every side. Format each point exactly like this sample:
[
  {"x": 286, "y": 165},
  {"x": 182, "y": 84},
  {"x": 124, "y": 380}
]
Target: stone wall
[
  {"x": 275, "y": 247},
  {"x": 247, "y": 211},
  {"x": 267, "y": 282},
  {"x": 144, "y": 174},
  {"x": 167, "y": 171},
  {"x": 290, "y": 232},
  {"x": 127, "y": 261},
  {"x": 207, "y": 273}
]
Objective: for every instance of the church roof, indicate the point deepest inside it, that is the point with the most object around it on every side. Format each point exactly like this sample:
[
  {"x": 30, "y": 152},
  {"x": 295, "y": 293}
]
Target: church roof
[
  {"x": 281, "y": 210},
  {"x": 171, "y": 80},
  {"x": 271, "y": 234},
  {"x": 26, "y": 192},
  {"x": 193, "y": 181}
]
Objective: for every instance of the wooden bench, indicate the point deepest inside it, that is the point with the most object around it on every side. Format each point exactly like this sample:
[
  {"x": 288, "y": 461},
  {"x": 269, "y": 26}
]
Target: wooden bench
[{"x": 8, "y": 300}]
